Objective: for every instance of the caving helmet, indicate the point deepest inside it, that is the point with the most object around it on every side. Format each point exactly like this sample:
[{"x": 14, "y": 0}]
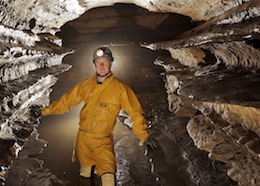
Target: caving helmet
[{"x": 102, "y": 52}]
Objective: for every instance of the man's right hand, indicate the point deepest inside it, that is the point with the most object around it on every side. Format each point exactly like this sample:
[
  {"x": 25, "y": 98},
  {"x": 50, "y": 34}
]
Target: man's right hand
[{"x": 36, "y": 111}]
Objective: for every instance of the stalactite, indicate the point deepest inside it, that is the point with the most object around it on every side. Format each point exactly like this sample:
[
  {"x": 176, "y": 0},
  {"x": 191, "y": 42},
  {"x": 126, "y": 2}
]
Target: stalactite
[
  {"x": 231, "y": 54},
  {"x": 248, "y": 117}
]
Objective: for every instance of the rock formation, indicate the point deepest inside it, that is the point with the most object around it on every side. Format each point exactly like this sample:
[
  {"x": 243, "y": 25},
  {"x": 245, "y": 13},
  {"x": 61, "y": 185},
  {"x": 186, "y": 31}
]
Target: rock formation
[{"x": 232, "y": 137}]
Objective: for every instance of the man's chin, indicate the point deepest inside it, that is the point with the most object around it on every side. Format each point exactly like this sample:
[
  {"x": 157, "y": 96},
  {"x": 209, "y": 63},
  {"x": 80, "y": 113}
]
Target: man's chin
[{"x": 102, "y": 74}]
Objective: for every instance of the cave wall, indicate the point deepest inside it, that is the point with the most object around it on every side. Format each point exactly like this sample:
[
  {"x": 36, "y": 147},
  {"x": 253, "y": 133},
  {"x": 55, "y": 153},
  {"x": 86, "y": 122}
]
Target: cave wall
[
  {"x": 221, "y": 59},
  {"x": 31, "y": 55}
]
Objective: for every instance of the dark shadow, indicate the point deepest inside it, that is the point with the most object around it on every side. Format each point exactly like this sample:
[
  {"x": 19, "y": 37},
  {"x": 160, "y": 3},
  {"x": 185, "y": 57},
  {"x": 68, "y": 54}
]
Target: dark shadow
[
  {"x": 254, "y": 43},
  {"x": 126, "y": 28}
]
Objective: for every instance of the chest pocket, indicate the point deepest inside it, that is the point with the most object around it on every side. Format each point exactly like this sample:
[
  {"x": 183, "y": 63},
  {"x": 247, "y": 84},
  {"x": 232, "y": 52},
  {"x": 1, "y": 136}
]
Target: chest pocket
[
  {"x": 111, "y": 108},
  {"x": 107, "y": 112}
]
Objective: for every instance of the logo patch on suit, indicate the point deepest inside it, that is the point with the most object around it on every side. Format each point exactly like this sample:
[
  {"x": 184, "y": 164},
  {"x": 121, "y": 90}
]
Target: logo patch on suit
[{"x": 103, "y": 105}]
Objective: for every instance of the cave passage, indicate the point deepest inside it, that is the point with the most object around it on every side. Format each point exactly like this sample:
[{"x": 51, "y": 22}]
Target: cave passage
[{"x": 133, "y": 65}]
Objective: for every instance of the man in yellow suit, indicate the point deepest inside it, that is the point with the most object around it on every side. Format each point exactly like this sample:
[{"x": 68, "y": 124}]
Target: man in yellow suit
[{"x": 104, "y": 96}]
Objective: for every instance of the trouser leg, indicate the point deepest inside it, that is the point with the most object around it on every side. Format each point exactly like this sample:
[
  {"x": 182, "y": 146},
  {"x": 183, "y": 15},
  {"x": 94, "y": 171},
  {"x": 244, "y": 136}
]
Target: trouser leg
[
  {"x": 84, "y": 156},
  {"x": 108, "y": 179},
  {"x": 105, "y": 157},
  {"x": 85, "y": 171}
]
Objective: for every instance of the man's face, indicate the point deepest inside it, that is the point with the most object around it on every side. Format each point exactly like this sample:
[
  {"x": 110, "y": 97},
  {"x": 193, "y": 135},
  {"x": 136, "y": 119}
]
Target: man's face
[{"x": 103, "y": 66}]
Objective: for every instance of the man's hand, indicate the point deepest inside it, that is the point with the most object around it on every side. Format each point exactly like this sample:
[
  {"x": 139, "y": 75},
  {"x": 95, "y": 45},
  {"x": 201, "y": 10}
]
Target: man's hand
[
  {"x": 36, "y": 111},
  {"x": 150, "y": 143}
]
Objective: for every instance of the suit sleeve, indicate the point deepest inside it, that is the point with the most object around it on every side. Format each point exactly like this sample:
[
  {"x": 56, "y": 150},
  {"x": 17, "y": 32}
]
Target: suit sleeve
[
  {"x": 132, "y": 106},
  {"x": 67, "y": 100}
]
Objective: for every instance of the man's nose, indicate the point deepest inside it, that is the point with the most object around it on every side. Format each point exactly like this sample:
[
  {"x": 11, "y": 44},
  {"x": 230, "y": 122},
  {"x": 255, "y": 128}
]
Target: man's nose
[{"x": 102, "y": 64}]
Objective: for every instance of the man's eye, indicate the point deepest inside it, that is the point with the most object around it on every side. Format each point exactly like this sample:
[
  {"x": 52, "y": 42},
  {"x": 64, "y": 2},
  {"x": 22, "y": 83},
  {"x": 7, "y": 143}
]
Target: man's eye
[{"x": 103, "y": 62}]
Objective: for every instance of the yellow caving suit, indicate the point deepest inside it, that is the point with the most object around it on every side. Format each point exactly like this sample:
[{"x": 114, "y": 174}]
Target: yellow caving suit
[{"x": 98, "y": 117}]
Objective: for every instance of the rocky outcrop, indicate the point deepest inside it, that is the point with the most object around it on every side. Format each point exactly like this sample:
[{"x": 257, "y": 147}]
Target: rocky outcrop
[
  {"x": 242, "y": 163},
  {"x": 221, "y": 84},
  {"x": 29, "y": 63}
]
